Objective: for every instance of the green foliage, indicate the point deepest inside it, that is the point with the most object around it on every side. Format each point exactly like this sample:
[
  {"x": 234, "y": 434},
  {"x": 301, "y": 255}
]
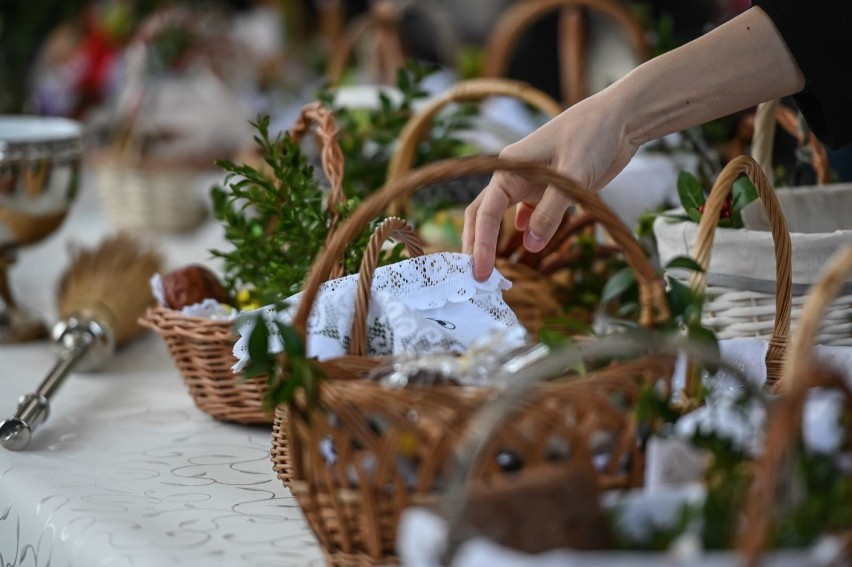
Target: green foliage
[
  {"x": 367, "y": 137},
  {"x": 276, "y": 221},
  {"x": 285, "y": 375},
  {"x": 693, "y": 200}
]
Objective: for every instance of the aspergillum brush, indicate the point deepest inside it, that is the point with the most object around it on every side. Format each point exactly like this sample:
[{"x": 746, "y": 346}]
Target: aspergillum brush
[{"x": 100, "y": 297}]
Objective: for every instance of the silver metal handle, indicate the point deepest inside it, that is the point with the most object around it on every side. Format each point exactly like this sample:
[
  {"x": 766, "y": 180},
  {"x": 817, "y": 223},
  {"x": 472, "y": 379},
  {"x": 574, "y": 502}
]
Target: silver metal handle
[{"x": 83, "y": 342}]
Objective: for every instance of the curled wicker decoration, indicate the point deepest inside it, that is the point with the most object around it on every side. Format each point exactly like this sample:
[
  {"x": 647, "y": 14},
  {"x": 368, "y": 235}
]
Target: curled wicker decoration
[
  {"x": 392, "y": 446},
  {"x": 801, "y": 373}
]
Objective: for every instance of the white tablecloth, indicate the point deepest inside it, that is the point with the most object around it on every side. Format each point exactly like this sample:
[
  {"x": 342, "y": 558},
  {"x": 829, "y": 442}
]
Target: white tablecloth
[{"x": 127, "y": 471}]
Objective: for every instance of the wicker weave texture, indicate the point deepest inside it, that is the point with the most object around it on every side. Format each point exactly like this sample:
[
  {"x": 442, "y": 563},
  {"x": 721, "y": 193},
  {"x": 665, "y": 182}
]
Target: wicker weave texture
[
  {"x": 202, "y": 351},
  {"x": 734, "y": 313},
  {"x": 149, "y": 199}
]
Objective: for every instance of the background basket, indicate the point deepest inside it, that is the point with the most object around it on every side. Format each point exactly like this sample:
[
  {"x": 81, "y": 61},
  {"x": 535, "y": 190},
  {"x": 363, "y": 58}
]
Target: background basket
[
  {"x": 151, "y": 198},
  {"x": 392, "y": 446},
  {"x": 202, "y": 348}
]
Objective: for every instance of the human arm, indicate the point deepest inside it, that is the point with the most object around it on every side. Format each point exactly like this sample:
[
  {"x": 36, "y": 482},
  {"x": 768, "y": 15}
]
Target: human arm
[{"x": 735, "y": 66}]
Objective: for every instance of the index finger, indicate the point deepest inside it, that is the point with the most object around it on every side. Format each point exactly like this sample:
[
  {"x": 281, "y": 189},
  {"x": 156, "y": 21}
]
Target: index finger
[{"x": 488, "y": 218}]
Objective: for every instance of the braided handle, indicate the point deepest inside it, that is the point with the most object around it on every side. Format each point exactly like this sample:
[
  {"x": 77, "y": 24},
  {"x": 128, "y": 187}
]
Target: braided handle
[
  {"x": 417, "y": 127},
  {"x": 783, "y": 251},
  {"x": 331, "y": 158},
  {"x": 517, "y": 19},
  {"x": 768, "y": 113},
  {"x": 654, "y": 308},
  {"x": 331, "y": 155},
  {"x": 391, "y": 227}
]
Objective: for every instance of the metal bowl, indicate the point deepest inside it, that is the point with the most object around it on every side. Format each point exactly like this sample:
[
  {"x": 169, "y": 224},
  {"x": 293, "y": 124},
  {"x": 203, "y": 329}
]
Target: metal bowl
[{"x": 39, "y": 177}]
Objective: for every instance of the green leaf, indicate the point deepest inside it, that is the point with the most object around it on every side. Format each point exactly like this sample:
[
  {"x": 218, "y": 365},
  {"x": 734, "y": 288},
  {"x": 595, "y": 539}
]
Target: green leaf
[
  {"x": 694, "y": 214},
  {"x": 743, "y": 192},
  {"x": 258, "y": 343},
  {"x": 703, "y": 335},
  {"x": 294, "y": 346},
  {"x": 619, "y": 283},
  {"x": 684, "y": 262},
  {"x": 689, "y": 190},
  {"x": 679, "y": 297}
]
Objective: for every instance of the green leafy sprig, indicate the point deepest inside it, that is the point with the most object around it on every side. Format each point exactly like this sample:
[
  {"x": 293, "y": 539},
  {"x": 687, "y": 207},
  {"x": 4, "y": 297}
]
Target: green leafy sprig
[
  {"x": 685, "y": 305},
  {"x": 367, "y": 137},
  {"x": 276, "y": 220}
]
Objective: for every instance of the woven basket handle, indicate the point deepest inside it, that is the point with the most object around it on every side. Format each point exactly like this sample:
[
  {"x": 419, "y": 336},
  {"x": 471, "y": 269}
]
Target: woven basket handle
[
  {"x": 464, "y": 91},
  {"x": 399, "y": 230},
  {"x": 331, "y": 158},
  {"x": 516, "y": 19},
  {"x": 653, "y": 306},
  {"x": 768, "y": 113},
  {"x": 417, "y": 127},
  {"x": 783, "y": 254},
  {"x": 331, "y": 155}
]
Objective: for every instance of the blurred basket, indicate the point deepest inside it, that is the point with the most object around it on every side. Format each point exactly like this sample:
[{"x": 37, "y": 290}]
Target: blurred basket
[
  {"x": 573, "y": 21},
  {"x": 802, "y": 373},
  {"x": 353, "y": 502},
  {"x": 149, "y": 197},
  {"x": 535, "y": 295},
  {"x": 202, "y": 348}
]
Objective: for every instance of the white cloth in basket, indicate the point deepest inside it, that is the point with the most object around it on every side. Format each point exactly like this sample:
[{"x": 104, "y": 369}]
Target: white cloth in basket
[{"x": 419, "y": 306}]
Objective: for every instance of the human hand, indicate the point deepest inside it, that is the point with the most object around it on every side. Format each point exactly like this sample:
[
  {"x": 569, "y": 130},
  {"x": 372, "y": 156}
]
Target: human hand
[{"x": 587, "y": 143}]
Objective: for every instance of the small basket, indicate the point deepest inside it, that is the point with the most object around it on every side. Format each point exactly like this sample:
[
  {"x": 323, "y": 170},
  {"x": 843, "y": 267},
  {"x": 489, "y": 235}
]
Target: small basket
[
  {"x": 202, "y": 348},
  {"x": 353, "y": 504}
]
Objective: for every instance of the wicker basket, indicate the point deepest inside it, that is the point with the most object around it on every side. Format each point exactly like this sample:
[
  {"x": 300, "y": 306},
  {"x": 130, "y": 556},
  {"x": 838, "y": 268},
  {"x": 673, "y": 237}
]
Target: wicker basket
[
  {"x": 353, "y": 503},
  {"x": 150, "y": 198},
  {"x": 535, "y": 296},
  {"x": 202, "y": 348},
  {"x": 750, "y": 298}
]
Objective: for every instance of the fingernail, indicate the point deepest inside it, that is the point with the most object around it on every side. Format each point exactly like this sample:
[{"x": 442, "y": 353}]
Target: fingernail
[{"x": 533, "y": 242}]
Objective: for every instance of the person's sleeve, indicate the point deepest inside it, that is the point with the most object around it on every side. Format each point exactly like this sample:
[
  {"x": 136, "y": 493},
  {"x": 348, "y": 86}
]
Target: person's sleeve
[{"x": 819, "y": 35}]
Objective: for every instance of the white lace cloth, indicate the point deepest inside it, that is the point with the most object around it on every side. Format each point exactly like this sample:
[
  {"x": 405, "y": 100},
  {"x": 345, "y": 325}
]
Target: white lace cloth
[{"x": 419, "y": 306}]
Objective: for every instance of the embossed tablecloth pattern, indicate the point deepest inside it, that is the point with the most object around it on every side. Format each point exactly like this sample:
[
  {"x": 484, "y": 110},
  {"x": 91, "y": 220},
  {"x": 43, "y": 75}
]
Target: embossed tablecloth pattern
[{"x": 126, "y": 471}]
